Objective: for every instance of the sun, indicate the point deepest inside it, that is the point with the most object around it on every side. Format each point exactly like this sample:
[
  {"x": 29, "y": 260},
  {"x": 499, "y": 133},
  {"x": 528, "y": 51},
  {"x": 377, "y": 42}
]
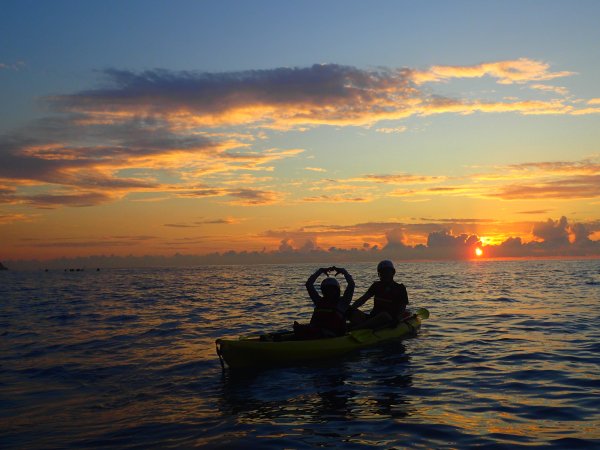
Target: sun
[{"x": 478, "y": 252}]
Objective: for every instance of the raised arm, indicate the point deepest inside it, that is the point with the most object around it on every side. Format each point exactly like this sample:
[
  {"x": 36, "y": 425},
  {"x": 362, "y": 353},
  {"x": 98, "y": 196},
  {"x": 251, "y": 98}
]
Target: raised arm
[
  {"x": 310, "y": 284},
  {"x": 363, "y": 298},
  {"x": 349, "y": 292}
]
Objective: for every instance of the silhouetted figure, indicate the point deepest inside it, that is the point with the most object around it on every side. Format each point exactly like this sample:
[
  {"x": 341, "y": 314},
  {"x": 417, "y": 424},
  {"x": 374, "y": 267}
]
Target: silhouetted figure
[
  {"x": 329, "y": 316},
  {"x": 389, "y": 304}
]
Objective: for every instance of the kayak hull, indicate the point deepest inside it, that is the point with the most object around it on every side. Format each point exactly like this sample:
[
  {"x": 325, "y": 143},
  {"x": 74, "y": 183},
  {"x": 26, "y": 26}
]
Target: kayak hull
[{"x": 252, "y": 352}]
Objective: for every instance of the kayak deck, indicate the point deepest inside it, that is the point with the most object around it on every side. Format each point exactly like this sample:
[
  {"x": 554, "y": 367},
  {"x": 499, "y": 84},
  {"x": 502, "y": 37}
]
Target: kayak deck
[{"x": 253, "y": 352}]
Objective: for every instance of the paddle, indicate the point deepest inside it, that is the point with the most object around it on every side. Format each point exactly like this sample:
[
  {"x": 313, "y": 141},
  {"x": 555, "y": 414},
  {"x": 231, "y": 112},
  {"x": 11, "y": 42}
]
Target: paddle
[{"x": 423, "y": 313}]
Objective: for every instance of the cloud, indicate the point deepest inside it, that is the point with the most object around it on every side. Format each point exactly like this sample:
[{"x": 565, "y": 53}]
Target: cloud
[
  {"x": 77, "y": 160},
  {"x": 336, "y": 198},
  {"x": 553, "y": 238},
  {"x": 382, "y": 233},
  {"x": 552, "y": 232},
  {"x": 456, "y": 221},
  {"x": 106, "y": 241},
  {"x": 582, "y": 167},
  {"x": 6, "y": 219},
  {"x": 14, "y": 66},
  {"x": 280, "y": 98},
  {"x": 388, "y": 130},
  {"x": 566, "y": 188},
  {"x": 519, "y": 71},
  {"x": 243, "y": 196},
  {"x": 372, "y": 241},
  {"x": 138, "y": 129},
  {"x": 535, "y": 211},
  {"x": 322, "y": 93},
  {"x": 54, "y": 200},
  {"x": 315, "y": 169},
  {"x": 396, "y": 238},
  {"x": 533, "y": 180},
  {"x": 554, "y": 89},
  {"x": 400, "y": 178},
  {"x": 202, "y": 223},
  {"x": 447, "y": 241},
  {"x": 253, "y": 197}
]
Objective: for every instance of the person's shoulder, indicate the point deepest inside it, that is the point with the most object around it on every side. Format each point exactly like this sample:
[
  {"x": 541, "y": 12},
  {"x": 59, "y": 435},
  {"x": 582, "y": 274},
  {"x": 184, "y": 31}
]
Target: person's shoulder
[{"x": 399, "y": 285}]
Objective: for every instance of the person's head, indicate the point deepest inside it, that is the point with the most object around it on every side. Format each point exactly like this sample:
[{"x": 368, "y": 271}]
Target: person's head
[
  {"x": 330, "y": 288},
  {"x": 386, "y": 270}
]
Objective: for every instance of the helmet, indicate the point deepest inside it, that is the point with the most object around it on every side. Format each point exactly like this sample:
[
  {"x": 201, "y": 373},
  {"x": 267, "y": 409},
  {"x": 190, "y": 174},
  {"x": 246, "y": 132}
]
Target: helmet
[
  {"x": 385, "y": 264},
  {"x": 330, "y": 283}
]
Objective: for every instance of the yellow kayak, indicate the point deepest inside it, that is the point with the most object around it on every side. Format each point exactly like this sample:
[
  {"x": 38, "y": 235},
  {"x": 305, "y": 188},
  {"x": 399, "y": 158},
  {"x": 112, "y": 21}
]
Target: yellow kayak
[{"x": 254, "y": 351}]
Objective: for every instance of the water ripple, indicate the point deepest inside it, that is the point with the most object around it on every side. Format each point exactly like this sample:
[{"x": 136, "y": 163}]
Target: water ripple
[{"x": 125, "y": 358}]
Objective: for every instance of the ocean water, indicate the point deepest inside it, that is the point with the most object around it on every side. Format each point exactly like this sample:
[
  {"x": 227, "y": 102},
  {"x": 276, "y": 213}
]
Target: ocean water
[{"x": 510, "y": 358}]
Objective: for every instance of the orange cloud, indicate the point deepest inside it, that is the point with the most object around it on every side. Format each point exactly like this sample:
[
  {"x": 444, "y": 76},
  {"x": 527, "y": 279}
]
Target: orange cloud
[
  {"x": 15, "y": 217},
  {"x": 520, "y": 71},
  {"x": 371, "y": 241},
  {"x": 547, "y": 179},
  {"x": 554, "y": 89},
  {"x": 284, "y": 98},
  {"x": 567, "y": 188},
  {"x": 241, "y": 196},
  {"x": 204, "y": 222},
  {"x": 550, "y": 180},
  {"x": 400, "y": 178},
  {"x": 76, "y": 174},
  {"x": 434, "y": 238},
  {"x": 337, "y": 198},
  {"x": 105, "y": 143}
]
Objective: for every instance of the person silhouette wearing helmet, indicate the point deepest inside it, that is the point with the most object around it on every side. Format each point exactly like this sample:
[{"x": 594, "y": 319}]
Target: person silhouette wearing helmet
[
  {"x": 329, "y": 316},
  {"x": 389, "y": 304}
]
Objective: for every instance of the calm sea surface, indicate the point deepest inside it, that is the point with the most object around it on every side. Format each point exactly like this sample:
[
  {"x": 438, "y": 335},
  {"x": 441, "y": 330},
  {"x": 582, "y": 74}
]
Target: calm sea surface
[{"x": 509, "y": 358}]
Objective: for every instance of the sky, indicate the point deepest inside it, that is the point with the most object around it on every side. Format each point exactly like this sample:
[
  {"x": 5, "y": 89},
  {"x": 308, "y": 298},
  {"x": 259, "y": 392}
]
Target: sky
[{"x": 291, "y": 131}]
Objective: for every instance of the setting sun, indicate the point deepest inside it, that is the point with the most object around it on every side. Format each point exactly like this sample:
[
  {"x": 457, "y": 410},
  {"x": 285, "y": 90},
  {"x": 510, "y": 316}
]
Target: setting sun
[{"x": 478, "y": 252}]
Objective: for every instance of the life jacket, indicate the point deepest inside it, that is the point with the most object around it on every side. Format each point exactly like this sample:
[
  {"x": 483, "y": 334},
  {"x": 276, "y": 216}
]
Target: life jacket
[
  {"x": 390, "y": 298},
  {"x": 328, "y": 318}
]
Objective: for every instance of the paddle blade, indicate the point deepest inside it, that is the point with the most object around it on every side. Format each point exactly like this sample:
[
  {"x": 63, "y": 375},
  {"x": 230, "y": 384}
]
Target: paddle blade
[{"x": 423, "y": 313}]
